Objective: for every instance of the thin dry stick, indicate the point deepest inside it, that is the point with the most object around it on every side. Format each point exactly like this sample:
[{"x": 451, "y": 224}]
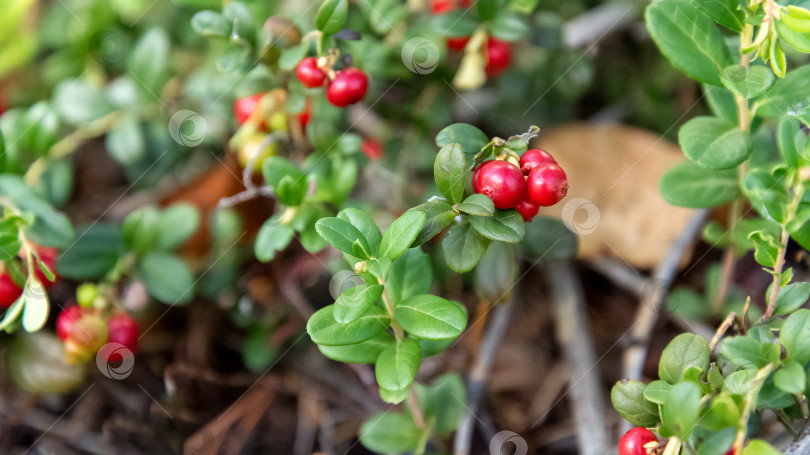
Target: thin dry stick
[
  {"x": 573, "y": 334},
  {"x": 648, "y": 309},
  {"x": 480, "y": 373},
  {"x": 722, "y": 330}
]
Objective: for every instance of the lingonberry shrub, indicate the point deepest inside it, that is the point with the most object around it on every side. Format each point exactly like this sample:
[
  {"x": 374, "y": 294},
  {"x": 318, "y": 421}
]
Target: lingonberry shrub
[{"x": 709, "y": 394}]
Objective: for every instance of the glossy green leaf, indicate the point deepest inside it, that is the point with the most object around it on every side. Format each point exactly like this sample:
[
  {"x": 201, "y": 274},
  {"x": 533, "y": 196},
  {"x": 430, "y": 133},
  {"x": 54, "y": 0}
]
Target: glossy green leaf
[
  {"x": 341, "y": 234},
  {"x": 657, "y": 391},
  {"x": 51, "y": 227},
  {"x": 331, "y": 16},
  {"x": 743, "y": 350},
  {"x": 759, "y": 447},
  {"x": 443, "y": 402},
  {"x": 766, "y": 248},
  {"x": 390, "y": 432},
  {"x": 411, "y": 274},
  {"x": 794, "y": 335},
  {"x": 438, "y": 215},
  {"x": 495, "y": 276},
  {"x": 166, "y": 277},
  {"x": 210, "y": 23},
  {"x": 401, "y": 234},
  {"x": 125, "y": 142},
  {"x": 470, "y": 138},
  {"x": 477, "y": 204},
  {"x": 148, "y": 62},
  {"x": 354, "y": 302},
  {"x": 504, "y": 226},
  {"x": 176, "y": 224},
  {"x": 448, "y": 170},
  {"x": 723, "y": 412},
  {"x": 363, "y": 222},
  {"x": 721, "y": 101},
  {"x": 686, "y": 350},
  {"x": 548, "y": 239},
  {"x": 509, "y": 26},
  {"x": 766, "y": 192},
  {"x": 272, "y": 238},
  {"x": 792, "y": 297},
  {"x": 728, "y": 13},
  {"x": 787, "y": 96},
  {"x": 688, "y": 38},
  {"x": 364, "y": 352},
  {"x": 791, "y": 378},
  {"x": 325, "y": 330},
  {"x": 690, "y": 185},
  {"x": 97, "y": 250},
  {"x": 679, "y": 412},
  {"x": 430, "y": 317},
  {"x": 463, "y": 247},
  {"x": 714, "y": 143},
  {"x": 628, "y": 399},
  {"x": 747, "y": 81},
  {"x": 791, "y": 140},
  {"x": 397, "y": 364}
]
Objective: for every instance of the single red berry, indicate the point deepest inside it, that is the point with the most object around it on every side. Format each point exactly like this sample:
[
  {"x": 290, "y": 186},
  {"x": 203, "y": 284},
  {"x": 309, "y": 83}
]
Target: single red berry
[
  {"x": 244, "y": 107},
  {"x": 123, "y": 330},
  {"x": 66, "y": 319},
  {"x": 502, "y": 182},
  {"x": 476, "y": 171},
  {"x": 373, "y": 149},
  {"x": 442, "y": 6},
  {"x": 547, "y": 184},
  {"x": 349, "y": 87},
  {"x": 309, "y": 74},
  {"x": 9, "y": 291},
  {"x": 303, "y": 119},
  {"x": 534, "y": 157},
  {"x": 633, "y": 442},
  {"x": 499, "y": 56},
  {"x": 457, "y": 43},
  {"x": 527, "y": 208},
  {"x": 48, "y": 257}
]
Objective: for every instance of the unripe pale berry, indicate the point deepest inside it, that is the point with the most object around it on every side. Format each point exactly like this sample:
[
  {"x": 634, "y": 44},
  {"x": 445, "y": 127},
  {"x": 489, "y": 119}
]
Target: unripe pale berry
[
  {"x": 547, "y": 184},
  {"x": 348, "y": 87},
  {"x": 534, "y": 157},
  {"x": 502, "y": 182},
  {"x": 309, "y": 74},
  {"x": 633, "y": 442},
  {"x": 9, "y": 291}
]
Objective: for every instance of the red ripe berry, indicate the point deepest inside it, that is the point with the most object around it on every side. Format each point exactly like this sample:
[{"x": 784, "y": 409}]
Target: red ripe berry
[
  {"x": 373, "y": 149},
  {"x": 48, "y": 256},
  {"x": 502, "y": 182},
  {"x": 66, "y": 319},
  {"x": 309, "y": 74},
  {"x": 547, "y": 184},
  {"x": 499, "y": 56},
  {"x": 244, "y": 107},
  {"x": 122, "y": 329},
  {"x": 534, "y": 157},
  {"x": 457, "y": 43},
  {"x": 527, "y": 208},
  {"x": 633, "y": 442},
  {"x": 303, "y": 119},
  {"x": 475, "y": 177},
  {"x": 9, "y": 291},
  {"x": 442, "y": 6},
  {"x": 349, "y": 87}
]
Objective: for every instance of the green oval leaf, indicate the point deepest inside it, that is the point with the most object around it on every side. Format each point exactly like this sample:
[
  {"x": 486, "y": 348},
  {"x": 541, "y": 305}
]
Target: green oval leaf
[
  {"x": 390, "y": 432},
  {"x": 470, "y": 138},
  {"x": 477, "y": 204},
  {"x": 430, "y": 317},
  {"x": 325, "y": 330},
  {"x": 686, "y": 350},
  {"x": 341, "y": 234},
  {"x": 714, "y": 143},
  {"x": 272, "y": 237},
  {"x": 331, "y": 16},
  {"x": 365, "y": 352},
  {"x": 787, "y": 96},
  {"x": 690, "y": 185},
  {"x": 397, "y": 364},
  {"x": 438, "y": 215},
  {"x": 794, "y": 335},
  {"x": 401, "y": 234},
  {"x": 747, "y": 81},
  {"x": 463, "y": 247},
  {"x": 504, "y": 226},
  {"x": 448, "y": 170},
  {"x": 166, "y": 277},
  {"x": 354, "y": 302},
  {"x": 628, "y": 399}
]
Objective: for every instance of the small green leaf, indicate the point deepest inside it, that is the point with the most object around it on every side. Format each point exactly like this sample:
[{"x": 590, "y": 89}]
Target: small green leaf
[
  {"x": 723, "y": 412},
  {"x": 448, "y": 170},
  {"x": 657, "y": 391},
  {"x": 463, "y": 247},
  {"x": 455, "y": 23},
  {"x": 443, "y": 402},
  {"x": 794, "y": 335},
  {"x": 788, "y": 95},
  {"x": 390, "y": 432},
  {"x": 410, "y": 275},
  {"x": 759, "y": 447},
  {"x": 791, "y": 378},
  {"x": 766, "y": 192},
  {"x": 690, "y": 185},
  {"x": 341, "y": 234},
  {"x": 766, "y": 248},
  {"x": 354, "y": 302},
  {"x": 680, "y": 411},
  {"x": 791, "y": 140},
  {"x": 365, "y": 225},
  {"x": 365, "y": 352},
  {"x": 149, "y": 60},
  {"x": 176, "y": 224},
  {"x": 97, "y": 250},
  {"x": 509, "y": 26},
  {"x": 166, "y": 277},
  {"x": 401, "y": 234},
  {"x": 685, "y": 351},
  {"x": 504, "y": 226},
  {"x": 397, "y": 364},
  {"x": 438, "y": 215},
  {"x": 470, "y": 138},
  {"x": 628, "y": 399},
  {"x": 210, "y": 23},
  {"x": 718, "y": 443},
  {"x": 272, "y": 238},
  {"x": 36, "y": 306},
  {"x": 714, "y": 143},
  {"x": 477, "y": 204},
  {"x": 728, "y": 13},
  {"x": 792, "y": 297},
  {"x": 688, "y": 38},
  {"x": 331, "y": 16},
  {"x": 747, "y": 81},
  {"x": 325, "y": 330},
  {"x": 430, "y": 317},
  {"x": 744, "y": 350}
]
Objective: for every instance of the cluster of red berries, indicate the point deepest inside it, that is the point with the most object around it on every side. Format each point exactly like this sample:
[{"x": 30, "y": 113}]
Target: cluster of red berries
[
  {"x": 343, "y": 87},
  {"x": 498, "y": 54},
  {"x": 641, "y": 441},
  {"x": 538, "y": 182},
  {"x": 11, "y": 291},
  {"x": 84, "y": 331}
]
